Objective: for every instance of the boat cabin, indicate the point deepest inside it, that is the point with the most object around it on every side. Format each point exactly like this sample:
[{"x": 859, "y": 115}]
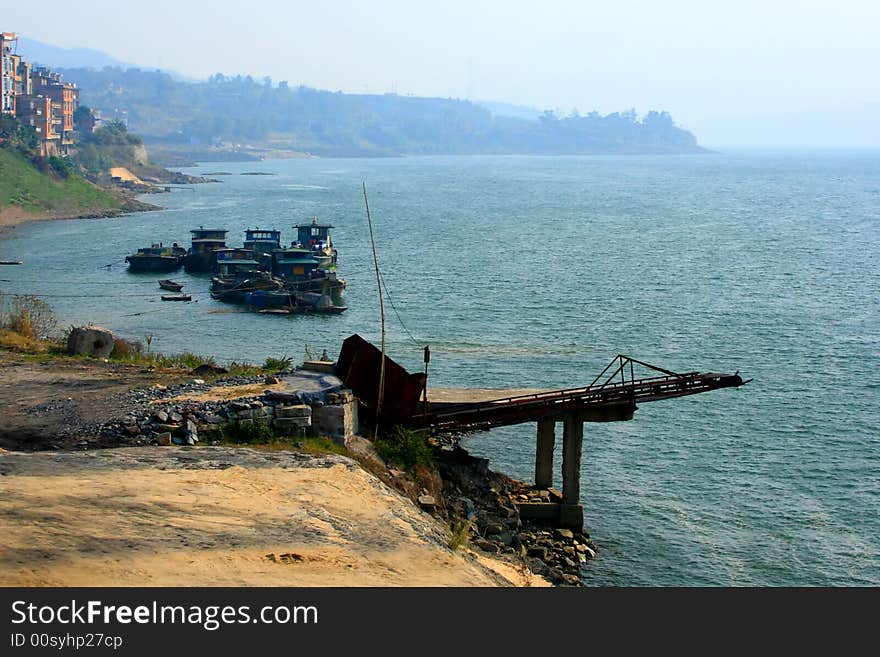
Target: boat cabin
[
  {"x": 231, "y": 262},
  {"x": 313, "y": 236},
  {"x": 156, "y": 249},
  {"x": 262, "y": 241},
  {"x": 207, "y": 239},
  {"x": 294, "y": 264}
]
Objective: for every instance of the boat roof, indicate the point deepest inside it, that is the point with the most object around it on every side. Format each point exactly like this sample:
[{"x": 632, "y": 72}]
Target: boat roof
[
  {"x": 238, "y": 262},
  {"x": 209, "y": 230},
  {"x": 297, "y": 261}
]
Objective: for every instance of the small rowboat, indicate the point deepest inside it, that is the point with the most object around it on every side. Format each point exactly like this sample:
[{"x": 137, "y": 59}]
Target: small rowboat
[
  {"x": 176, "y": 297},
  {"x": 166, "y": 284}
]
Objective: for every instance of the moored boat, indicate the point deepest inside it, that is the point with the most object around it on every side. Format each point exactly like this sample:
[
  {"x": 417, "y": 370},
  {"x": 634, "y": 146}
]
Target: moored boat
[
  {"x": 156, "y": 258},
  {"x": 176, "y": 297},
  {"x": 263, "y": 243},
  {"x": 201, "y": 255},
  {"x": 170, "y": 285}
]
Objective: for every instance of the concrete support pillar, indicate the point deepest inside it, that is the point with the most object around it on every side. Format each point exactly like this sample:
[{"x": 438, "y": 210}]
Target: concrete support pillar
[
  {"x": 571, "y": 513},
  {"x": 544, "y": 453},
  {"x": 572, "y": 444}
]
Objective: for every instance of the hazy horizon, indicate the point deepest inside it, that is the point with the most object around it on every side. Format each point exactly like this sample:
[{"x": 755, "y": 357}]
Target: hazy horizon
[{"x": 744, "y": 74}]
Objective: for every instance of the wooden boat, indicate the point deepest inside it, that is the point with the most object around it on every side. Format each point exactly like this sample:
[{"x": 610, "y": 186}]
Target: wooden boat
[
  {"x": 205, "y": 241},
  {"x": 156, "y": 258},
  {"x": 176, "y": 297},
  {"x": 166, "y": 284}
]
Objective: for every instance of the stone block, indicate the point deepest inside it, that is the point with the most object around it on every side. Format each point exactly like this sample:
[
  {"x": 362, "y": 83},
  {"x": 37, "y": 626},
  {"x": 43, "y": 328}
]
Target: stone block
[
  {"x": 295, "y": 410},
  {"x": 292, "y": 426},
  {"x": 91, "y": 341},
  {"x": 338, "y": 422}
]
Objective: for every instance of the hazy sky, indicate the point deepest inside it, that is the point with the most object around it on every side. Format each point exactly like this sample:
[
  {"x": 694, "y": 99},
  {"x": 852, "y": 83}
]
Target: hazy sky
[{"x": 716, "y": 66}]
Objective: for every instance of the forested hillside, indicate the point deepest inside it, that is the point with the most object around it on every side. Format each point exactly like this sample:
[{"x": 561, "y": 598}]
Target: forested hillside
[{"x": 241, "y": 109}]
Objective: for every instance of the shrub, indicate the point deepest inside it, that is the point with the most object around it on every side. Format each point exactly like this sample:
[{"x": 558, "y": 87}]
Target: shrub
[
  {"x": 30, "y": 317},
  {"x": 277, "y": 364},
  {"x": 127, "y": 350},
  {"x": 404, "y": 448},
  {"x": 248, "y": 433},
  {"x": 460, "y": 533},
  {"x": 62, "y": 167}
]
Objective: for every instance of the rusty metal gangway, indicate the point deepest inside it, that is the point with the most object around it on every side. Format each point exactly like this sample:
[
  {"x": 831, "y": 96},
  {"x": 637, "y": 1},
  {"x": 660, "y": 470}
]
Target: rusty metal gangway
[
  {"x": 615, "y": 398},
  {"x": 612, "y": 396}
]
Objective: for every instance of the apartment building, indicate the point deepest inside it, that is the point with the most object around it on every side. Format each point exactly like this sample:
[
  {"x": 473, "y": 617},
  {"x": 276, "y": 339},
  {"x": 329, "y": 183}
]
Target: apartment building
[{"x": 10, "y": 79}]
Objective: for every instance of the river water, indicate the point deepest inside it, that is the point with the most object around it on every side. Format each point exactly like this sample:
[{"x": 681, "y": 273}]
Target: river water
[{"x": 535, "y": 272}]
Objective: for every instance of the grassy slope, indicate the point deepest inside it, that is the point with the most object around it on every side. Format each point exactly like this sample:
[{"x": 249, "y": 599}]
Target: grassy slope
[{"x": 24, "y": 187}]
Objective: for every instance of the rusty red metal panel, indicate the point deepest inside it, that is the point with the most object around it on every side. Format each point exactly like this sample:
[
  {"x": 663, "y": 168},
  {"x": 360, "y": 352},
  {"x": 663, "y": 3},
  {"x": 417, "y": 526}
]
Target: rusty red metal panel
[{"x": 358, "y": 366}]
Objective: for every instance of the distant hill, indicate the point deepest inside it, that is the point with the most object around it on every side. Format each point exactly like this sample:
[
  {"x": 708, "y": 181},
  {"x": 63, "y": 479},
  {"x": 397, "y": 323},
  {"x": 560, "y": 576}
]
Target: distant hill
[
  {"x": 44, "y": 54},
  {"x": 244, "y": 114}
]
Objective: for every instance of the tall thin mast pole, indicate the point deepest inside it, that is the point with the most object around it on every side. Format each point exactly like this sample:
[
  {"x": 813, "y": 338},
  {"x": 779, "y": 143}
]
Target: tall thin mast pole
[{"x": 381, "y": 309}]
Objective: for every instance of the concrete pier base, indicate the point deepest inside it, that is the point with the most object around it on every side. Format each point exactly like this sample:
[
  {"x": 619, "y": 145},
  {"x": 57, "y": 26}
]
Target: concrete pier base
[{"x": 571, "y": 516}]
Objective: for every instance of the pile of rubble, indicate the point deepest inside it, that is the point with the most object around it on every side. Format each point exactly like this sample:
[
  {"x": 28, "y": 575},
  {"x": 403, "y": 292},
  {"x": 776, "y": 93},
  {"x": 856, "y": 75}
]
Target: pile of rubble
[
  {"x": 182, "y": 422},
  {"x": 487, "y": 500}
]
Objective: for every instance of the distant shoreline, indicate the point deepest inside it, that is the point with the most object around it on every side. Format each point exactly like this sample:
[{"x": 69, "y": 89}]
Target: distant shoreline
[{"x": 12, "y": 217}]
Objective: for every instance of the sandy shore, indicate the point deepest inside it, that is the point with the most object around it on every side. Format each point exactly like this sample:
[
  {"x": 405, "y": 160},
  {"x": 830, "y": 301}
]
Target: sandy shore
[{"x": 217, "y": 516}]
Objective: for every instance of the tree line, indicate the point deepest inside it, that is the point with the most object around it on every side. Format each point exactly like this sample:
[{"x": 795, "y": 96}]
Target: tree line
[{"x": 242, "y": 109}]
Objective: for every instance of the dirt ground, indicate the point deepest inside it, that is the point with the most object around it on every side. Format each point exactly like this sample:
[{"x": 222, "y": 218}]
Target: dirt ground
[
  {"x": 54, "y": 403},
  {"x": 206, "y": 516},
  {"x": 219, "y": 516}
]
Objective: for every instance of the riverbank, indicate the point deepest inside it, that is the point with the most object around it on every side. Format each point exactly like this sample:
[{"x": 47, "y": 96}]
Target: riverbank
[
  {"x": 219, "y": 516},
  {"x": 29, "y": 193},
  {"x": 104, "y": 510},
  {"x": 12, "y": 217}
]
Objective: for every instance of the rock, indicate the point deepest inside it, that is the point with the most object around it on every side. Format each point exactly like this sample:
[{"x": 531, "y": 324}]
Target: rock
[
  {"x": 92, "y": 341},
  {"x": 161, "y": 417},
  {"x": 571, "y": 580},
  {"x": 538, "y": 552},
  {"x": 271, "y": 380},
  {"x": 192, "y": 432},
  {"x": 163, "y": 438},
  {"x": 239, "y": 406},
  {"x": 214, "y": 419},
  {"x": 568, "y": 550},
  {"x": 178, "y": 440},
  {"x": 590, "y": 554},
  {"x": 484, "y": 545},
  {"x": 171, "y": 428},
  {"x": 175, "y": 417},
  {"x": 565, "y": 533},
  {"x": 198, "y": 382},
  {"x": 427, "y": 502},
  {"x": 493, "y": 529},
  {"x": 132, "y": 429},
  {"x": 206, "y": 369}
]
